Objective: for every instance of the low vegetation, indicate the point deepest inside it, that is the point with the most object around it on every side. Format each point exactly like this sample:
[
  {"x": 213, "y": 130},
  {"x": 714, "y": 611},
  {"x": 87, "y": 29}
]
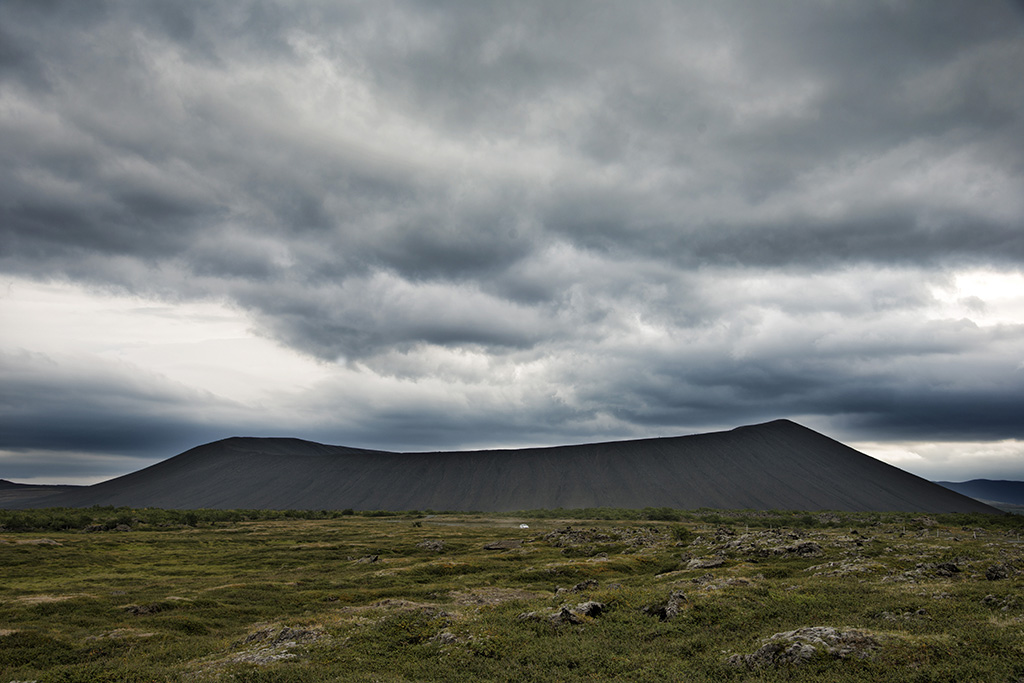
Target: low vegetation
[{"x": 107, "y": 594}]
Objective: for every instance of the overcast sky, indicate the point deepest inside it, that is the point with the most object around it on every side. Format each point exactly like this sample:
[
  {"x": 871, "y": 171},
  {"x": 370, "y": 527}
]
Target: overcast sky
[{"x": 439, "y": 225}]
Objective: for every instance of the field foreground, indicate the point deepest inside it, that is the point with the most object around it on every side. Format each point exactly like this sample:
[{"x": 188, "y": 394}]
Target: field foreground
[{"x": 711, "y": 597}]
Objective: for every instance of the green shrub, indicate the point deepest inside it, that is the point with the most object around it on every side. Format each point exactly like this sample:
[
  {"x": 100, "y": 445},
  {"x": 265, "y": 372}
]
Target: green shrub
[
  {"x": 22, "y": 648},
  {"x": 681, "y": 534}
]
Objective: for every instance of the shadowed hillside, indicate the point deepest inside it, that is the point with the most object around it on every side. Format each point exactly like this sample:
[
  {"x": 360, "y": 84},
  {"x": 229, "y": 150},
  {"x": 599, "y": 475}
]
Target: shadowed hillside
[
  {"x": 777, "y": 465},
  {"x": 14, "y": 495}
]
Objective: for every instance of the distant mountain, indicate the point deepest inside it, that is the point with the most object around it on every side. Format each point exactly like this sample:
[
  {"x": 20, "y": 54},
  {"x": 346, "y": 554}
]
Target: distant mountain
[
  {"x": 777, "y": 465},
  {"x": 999, "y": 490}
]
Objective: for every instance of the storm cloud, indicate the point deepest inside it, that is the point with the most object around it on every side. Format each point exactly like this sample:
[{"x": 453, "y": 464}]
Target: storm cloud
[{"x": 493, "y": 224}]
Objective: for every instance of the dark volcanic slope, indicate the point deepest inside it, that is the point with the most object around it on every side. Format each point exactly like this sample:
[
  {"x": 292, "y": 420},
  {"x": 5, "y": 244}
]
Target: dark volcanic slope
[
  {"x": 778, "y": 465},
  {"x": 26, "y": 495},
  {"x": 989, "y": 489}
]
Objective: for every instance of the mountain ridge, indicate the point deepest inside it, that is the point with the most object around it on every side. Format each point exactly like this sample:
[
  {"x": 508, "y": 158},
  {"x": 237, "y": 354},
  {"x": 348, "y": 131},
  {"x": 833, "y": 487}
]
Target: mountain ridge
[{"x": 773, "y": 465}]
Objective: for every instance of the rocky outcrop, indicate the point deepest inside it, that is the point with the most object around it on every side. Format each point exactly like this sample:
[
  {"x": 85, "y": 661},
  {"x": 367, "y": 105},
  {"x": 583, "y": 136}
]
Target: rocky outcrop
[
  {"x": 566, "y": 614},
  {"x": 806, "y": 644},
  {"x": 997, "y": 572},
  {"x": 269, "y": 645},
  {"x": 767, "y": 544},
  {"x": 669, "y": 609},
  {"x": 434, "y": 545}
]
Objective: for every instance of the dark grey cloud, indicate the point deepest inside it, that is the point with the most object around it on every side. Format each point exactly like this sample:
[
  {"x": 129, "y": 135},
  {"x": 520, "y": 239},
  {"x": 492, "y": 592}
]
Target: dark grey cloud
[
  {"x": 70, "y": 404},
  {"x": 728, "y": 110},
  {"x": 686, "y": 215}
]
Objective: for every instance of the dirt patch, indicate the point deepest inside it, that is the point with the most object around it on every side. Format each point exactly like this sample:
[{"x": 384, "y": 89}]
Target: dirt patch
[
  {"x": 37, "y": 541},
  {"x": 152, "y": 608},
  {"x": 121, "y": 633},
  {"x": 226, "y": 586},
  {"x": 842, "y": 568},
  {"x": 39, "y": 599},
  {"x": 396, "y": 604},
  {"x": 491, "y": 596}
]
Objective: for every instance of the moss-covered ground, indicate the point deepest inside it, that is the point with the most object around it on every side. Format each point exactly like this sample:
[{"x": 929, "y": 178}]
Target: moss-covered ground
[{"x": 460, "y": 597}]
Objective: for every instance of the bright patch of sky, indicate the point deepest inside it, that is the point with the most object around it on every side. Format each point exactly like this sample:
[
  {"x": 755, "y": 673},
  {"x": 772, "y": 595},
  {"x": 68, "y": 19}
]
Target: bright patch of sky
[{"x": 205, "y": 345}]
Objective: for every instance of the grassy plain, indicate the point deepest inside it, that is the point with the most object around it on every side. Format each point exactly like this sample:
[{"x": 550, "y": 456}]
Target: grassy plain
[{"x": 423, "y": 598}]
